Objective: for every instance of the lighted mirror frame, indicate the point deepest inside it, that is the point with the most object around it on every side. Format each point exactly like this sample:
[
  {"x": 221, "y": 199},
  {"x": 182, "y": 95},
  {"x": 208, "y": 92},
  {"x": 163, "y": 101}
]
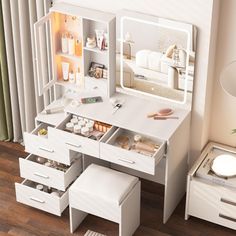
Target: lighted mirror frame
[{"x": 167, "y": 25}]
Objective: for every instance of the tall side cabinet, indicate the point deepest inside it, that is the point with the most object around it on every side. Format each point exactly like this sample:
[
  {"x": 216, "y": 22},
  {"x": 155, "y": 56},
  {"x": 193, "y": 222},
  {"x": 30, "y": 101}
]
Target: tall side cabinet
[{"x": 76, "y": 24}]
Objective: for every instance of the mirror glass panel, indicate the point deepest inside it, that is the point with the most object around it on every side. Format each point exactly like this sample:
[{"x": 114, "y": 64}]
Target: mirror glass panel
[
  {"x": 156, "y": 56},
  {"x": 228, "y": 79}
]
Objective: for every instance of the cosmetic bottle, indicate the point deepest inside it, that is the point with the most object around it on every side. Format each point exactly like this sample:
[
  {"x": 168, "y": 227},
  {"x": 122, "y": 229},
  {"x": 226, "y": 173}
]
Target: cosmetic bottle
[
  {"x": 71, "y": 45},
  {"x": 78, "y": 48},
  {"x": 64, "y": 43},
  {"x": 78, "y": 77},
  {"x": 72, "y": 77}
]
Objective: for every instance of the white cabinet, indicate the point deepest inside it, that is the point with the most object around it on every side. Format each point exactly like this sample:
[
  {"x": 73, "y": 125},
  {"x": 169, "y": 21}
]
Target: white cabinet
[
  {"x": 209, "y": 198},
  {"x": 61, "y": 37}
]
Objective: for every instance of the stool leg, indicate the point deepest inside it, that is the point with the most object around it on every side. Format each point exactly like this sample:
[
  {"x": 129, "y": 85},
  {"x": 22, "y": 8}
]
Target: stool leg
[
  {"x": 130, "y": 212},
  {"x": 76, "y": 217}
]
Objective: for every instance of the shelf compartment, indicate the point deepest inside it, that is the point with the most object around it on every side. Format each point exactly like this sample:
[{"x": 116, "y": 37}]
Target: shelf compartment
[
  {"x": 111, "y": 152},
  {"x": 96, "y": 50},
  {"x": 71, "y": 57},
  {"x": 50, "y": 176},
  {"x": 26, "y": 193}
]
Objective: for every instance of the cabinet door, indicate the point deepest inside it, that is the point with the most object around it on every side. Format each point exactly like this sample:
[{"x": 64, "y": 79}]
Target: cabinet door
[{"x": 45, "y": 55}]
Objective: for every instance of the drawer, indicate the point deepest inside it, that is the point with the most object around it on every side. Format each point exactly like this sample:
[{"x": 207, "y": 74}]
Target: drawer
[
  {"x": 44, "y": 147},
  {"x": 212, "y": 202},
  {"x": 110, "y": 151},
  {"x": 26, "y": 193},
  {"x": 70, "y": 141},
  {"x": 59, "y": 179}
]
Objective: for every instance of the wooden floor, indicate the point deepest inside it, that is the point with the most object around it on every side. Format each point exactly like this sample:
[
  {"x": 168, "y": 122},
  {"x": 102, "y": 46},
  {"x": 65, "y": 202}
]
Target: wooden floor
[{"x": 18, "y": 219}]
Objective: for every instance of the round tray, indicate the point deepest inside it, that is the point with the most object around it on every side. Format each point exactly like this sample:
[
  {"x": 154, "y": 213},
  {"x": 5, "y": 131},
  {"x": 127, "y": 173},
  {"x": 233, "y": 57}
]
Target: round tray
[{"x": 224, "y": 165}]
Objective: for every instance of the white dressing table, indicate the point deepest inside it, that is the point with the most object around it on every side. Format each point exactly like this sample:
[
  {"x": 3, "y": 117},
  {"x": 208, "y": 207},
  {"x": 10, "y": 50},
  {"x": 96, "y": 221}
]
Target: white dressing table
[
  {"x": 168, "y": 165},
  {"x": 171, "y": 168}
]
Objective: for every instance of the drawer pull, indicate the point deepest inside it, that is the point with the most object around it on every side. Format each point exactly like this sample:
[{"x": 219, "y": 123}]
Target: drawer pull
[
  {"x": 227, "y": 217},
  {"x": 228, "y": 202},
  {"x": 46, "y": 149},
  {"x": 127, "y": 161},
  {"x": 73, "y": 145},
  {"x": 41, "y": 175},
  {"x": 36, "y": 200}
]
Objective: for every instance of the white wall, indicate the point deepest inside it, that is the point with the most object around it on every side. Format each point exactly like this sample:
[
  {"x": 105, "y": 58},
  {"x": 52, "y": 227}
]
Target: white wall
[
  {"x": 223, "y": 118},
  {"x": 198, "y": 13}
]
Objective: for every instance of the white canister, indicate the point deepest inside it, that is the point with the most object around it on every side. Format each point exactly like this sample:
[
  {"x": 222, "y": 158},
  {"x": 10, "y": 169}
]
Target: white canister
[
  {"x": 70, "y": 126},
  {"x": 77, "y": 129},
  {"x": 56, "y": 194},
  {"x": 71, "y": 45},
  {"x": 39, "y": 187},
  {"x": 85, "y": 131},
  {"x": 64, "y": 43},
  {"x": 74, "y": 121},
  {"x": 89, "y": 126},
  {"x": 82, "y": 123}
]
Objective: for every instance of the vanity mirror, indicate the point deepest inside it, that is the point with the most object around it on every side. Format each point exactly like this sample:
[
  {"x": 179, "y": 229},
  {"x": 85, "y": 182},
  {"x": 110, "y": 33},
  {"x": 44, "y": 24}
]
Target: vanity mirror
[
  {"x": 228, "y": 79},
  {"x": 155, "y": 56}
]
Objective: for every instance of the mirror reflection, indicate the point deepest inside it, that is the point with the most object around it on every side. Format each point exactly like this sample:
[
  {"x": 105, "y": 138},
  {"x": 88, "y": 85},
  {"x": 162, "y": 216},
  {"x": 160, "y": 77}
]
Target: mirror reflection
[{"x": 156, "y": 58}]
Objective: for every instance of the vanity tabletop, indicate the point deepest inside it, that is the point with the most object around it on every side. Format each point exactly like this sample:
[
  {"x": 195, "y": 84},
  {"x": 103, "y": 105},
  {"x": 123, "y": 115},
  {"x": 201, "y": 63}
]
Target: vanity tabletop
[{"x": 133, "y": 115}]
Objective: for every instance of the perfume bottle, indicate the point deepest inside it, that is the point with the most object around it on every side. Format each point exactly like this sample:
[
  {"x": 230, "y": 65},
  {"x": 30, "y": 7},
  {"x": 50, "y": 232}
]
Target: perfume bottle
[{"x": 78, "y": 48}]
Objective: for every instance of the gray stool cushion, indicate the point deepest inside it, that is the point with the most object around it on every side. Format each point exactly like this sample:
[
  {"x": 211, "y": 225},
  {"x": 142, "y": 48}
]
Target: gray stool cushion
[{"x": 104, "y": 183}]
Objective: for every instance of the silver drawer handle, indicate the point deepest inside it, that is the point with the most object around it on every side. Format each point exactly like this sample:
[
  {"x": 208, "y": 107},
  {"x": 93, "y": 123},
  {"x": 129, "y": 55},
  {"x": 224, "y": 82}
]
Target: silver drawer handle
[
  {"x": 41, "y": 175},
  {"x": 228, "y": 202},
  {"x": 128, "y": 161},
  {"x": 36, "y": 200},
  {"x": 227, "y": 217},
  {"x": 46, "y": 149},
  {"x": 73, "y": 145}
]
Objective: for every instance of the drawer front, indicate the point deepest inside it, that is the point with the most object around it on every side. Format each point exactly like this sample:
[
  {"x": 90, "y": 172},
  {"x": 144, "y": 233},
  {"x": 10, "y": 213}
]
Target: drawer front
[
  {"x": 45, "y": 148},
  {"x": 65, "y": 140},
  {"x": 41, "y": 200},
  {"x": 129, "y": 159},
  {"x": 213, "y": 203},
  {"x": 49, "y": 176}
]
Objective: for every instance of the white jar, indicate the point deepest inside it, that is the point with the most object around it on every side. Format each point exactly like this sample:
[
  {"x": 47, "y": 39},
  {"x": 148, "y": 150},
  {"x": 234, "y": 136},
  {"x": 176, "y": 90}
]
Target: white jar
[
  {"x": 70, "y": 126},
  {"x": 74, "y": 121},
  {"x": 64, "y": 43},
  {"x": 77, "y": 129},
  {"x": 85, "y": 131},
  {"x": 82, "y": 123},
  {"x": 39, "y": 187},
  {"x": 89, "y": 126}
]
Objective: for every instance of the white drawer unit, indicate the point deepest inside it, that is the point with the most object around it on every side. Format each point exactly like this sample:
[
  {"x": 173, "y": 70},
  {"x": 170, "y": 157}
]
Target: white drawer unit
[
  {"x": 31, "y": 169},
  {"x": 213, "y": 203},
  {"x": 211, "y": 197},
  {"x": 27, "y": 194},
  {"x": 111, "y": 152},
  {"x": 65, "y": 140}
]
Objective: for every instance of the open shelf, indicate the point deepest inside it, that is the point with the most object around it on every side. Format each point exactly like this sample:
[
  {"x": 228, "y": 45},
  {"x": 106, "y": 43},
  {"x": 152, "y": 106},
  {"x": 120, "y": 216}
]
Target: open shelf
[
  {"x": 96, "y": 49},
  {"x": 71, "y": 57}
]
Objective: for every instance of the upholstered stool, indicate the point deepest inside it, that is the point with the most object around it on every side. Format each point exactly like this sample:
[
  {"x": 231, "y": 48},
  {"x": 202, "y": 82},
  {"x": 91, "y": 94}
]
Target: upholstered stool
[{"x": 106, "y": 193}]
